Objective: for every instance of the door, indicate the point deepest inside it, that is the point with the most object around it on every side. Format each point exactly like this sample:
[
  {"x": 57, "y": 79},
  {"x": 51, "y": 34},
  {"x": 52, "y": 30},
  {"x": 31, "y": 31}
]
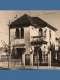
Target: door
[{"x": 27, "y": 59}]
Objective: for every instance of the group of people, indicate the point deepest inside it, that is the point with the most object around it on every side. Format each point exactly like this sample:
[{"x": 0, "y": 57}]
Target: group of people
[{"x": 42, "y": 54}]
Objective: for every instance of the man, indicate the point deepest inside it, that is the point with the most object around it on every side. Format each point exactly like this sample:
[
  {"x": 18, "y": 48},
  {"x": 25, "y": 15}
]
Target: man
[{"x": 40, "y": 55}]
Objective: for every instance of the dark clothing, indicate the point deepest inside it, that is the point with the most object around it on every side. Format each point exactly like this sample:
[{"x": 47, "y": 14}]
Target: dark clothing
[
  {"x": 38, "y": 51},
  {"x": 40, "y": 55}
]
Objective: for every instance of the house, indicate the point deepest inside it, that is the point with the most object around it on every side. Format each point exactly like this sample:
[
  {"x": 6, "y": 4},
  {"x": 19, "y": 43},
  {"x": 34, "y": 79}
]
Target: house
[{"x": 29, "y": 40}]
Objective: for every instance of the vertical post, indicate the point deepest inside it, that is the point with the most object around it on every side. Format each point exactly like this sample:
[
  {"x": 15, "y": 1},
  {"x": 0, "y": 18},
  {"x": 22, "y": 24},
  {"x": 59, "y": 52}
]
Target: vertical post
[
  {"x": 37, "y": 59},
  {"x": 49, "y": 58},
  {"x": 9, "y": 48}
]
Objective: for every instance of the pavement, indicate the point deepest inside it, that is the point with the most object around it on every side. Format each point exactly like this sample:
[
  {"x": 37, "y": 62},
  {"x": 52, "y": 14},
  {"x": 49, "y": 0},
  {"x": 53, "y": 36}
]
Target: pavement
[
  {"x": 4, "y": 66},
  {"x": 32, "y": 68}
]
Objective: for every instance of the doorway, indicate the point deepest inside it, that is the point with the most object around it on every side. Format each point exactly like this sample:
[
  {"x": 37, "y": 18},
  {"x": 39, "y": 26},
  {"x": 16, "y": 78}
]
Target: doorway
[{"x": 27, "y": 59}]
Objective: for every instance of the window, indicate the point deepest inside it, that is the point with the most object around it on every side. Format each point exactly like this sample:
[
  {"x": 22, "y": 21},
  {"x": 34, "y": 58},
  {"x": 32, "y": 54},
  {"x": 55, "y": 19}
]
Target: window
[
  {"x": 40, "y": 32},
  {"x": 45, "y": 31},
  {"x": 50, "y": 33},
  {"x": 19, "y": 33},
  {"x": 22, "y": 33}
]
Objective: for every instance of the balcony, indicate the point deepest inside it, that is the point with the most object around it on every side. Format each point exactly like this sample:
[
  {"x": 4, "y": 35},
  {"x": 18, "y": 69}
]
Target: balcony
[
  {"x": 18, "y": 42},
  {"x": 38, "y": 40},
  {"x": 35, "y": 38}
]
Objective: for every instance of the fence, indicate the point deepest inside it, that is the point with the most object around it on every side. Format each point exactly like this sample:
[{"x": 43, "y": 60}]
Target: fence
[{"x": 8, "y": 62}]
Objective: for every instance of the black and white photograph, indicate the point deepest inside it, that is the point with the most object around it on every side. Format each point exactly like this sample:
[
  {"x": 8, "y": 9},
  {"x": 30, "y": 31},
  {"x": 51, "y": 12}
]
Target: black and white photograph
[{"x": 29, "y": 39}]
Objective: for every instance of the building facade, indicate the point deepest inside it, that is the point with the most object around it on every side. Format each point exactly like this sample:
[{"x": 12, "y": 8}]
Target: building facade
[{"x": 30, "y": 39}]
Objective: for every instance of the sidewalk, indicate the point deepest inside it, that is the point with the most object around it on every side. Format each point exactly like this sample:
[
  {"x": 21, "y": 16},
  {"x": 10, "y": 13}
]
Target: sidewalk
[{"x": 14, "y": 66}]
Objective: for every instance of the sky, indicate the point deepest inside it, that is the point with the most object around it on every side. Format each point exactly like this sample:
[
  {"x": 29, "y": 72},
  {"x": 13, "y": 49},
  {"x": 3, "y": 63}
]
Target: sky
[{"x": 52, "y": 17}]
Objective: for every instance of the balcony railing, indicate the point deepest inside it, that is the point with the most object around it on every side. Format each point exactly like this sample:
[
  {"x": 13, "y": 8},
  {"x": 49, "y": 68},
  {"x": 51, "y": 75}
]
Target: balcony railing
[
  {"x": 38, "y": 40},
  {"x": 18, "y": 41}
]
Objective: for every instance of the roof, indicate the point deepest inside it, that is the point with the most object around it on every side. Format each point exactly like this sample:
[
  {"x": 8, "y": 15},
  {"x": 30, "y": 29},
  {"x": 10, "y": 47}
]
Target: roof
[
  {"x": 51, "y": 27},
  {"x": 26, "y": 20}
]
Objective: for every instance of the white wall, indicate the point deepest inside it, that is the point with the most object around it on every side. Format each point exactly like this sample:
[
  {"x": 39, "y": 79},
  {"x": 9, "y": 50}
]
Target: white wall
[
  {"x": 53, "y": 35},
  {"x": 33, "y": 32}
]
